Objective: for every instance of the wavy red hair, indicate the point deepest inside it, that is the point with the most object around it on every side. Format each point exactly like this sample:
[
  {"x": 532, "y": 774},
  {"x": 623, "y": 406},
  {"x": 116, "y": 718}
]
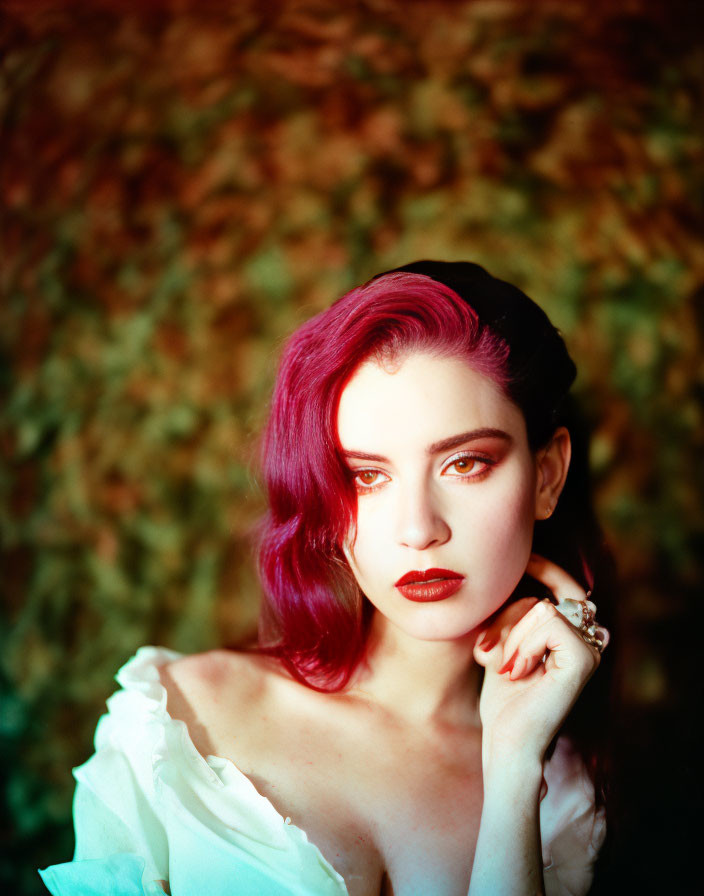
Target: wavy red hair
[{"x": 313, "y": 615}]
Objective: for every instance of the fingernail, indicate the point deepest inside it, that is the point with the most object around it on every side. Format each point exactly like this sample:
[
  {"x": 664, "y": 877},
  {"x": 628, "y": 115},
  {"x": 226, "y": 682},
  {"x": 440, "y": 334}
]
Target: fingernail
[
  {"x": 518, "y": 668},
  {"x": 508, "y": 664}
]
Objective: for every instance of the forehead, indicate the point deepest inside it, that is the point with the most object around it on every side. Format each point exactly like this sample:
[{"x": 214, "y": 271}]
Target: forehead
[{"x": 421, "y": 398}]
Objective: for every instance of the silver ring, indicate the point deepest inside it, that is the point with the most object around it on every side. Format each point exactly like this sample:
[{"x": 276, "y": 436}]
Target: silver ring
[{"x": 580, "y": 614}]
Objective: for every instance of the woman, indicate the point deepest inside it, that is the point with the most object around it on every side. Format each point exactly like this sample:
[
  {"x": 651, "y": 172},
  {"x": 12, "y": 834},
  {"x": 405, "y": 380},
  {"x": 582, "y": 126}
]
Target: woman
[{"x": 403, "y": 705}]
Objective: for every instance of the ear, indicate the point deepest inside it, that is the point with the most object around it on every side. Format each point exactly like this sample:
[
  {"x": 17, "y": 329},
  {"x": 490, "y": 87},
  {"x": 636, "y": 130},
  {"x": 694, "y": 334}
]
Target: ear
[{"x": 552, "y": 463}]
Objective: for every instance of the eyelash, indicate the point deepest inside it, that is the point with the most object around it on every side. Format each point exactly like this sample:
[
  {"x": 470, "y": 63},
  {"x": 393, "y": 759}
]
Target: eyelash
[
  {"x": 487, "y": 461},
  {"x": 477, "y": 458}
]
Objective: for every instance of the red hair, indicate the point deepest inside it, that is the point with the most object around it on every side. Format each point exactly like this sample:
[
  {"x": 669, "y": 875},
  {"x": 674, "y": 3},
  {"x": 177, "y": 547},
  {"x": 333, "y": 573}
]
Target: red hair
[{"x": 313, "y": 616}]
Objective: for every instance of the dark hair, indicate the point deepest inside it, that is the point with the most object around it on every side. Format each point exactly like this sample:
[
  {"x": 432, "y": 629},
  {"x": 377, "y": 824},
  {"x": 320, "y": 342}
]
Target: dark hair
[{"x": 314, "y": 618}]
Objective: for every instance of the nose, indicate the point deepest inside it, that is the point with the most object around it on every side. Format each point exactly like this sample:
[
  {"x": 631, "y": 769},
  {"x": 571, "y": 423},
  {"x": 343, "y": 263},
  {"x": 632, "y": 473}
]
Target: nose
[{"x": 421, "y": 523}]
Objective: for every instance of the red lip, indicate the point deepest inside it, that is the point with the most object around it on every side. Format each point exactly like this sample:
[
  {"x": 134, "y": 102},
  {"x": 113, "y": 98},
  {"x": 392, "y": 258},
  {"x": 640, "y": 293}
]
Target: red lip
[
  {"x": 424, "y": 586},
  {"x": 425, "y": 575}
]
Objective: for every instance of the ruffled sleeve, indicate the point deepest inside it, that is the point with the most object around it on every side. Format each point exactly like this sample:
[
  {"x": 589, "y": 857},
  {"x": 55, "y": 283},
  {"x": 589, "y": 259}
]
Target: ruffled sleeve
[
  {"x": 119, "y": 875},
  {"x": 120, "y": 835},
  {"x": 572, "y": 830},
  {"x": 149, "y": 809}
]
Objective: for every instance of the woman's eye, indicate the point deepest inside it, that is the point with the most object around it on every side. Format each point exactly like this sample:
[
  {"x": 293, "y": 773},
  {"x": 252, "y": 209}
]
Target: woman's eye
[
  {"x": 368, "y": 479},
  {"x": 468, "y": 466}
]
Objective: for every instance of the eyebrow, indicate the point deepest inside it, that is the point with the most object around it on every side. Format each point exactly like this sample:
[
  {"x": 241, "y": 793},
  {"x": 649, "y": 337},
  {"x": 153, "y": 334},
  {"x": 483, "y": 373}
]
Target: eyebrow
[{"x": 443, "y": 445}]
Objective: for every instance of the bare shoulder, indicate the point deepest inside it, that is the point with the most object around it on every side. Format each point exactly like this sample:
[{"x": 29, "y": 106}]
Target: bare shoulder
[
  {"x": 209, "y": 690},
  {"x": 217, "y": 674}
]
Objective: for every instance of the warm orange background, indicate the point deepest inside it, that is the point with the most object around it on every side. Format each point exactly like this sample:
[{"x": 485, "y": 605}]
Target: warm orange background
[{"x": 184, "y": 182}]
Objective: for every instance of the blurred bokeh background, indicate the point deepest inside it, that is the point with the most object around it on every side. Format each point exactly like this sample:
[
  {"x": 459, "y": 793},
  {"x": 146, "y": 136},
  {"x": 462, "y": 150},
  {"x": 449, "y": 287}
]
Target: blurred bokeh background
[{"x": 183, "y": 183}]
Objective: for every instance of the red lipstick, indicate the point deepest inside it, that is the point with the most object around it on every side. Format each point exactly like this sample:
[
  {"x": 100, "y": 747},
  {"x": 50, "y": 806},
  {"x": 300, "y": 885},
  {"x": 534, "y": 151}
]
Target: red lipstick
[{"x": 424, "y": 586}]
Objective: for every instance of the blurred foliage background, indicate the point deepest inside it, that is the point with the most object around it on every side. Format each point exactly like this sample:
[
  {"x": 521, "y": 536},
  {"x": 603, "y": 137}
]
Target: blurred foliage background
[{"x": 183, "y": 183}]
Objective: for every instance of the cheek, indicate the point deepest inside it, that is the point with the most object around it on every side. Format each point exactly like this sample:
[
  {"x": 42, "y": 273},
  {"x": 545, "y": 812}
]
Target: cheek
[
  {"x": 363, "y": 545},
  {"x": 517, "y": 514},
  {"x": 512, "y": 536},
  {"x": 505, "y": 535}
]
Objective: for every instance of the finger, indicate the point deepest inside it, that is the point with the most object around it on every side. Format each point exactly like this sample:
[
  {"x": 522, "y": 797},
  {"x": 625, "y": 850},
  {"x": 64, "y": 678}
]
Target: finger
[
  {"x": 498, "y": 630},
  {"x": 604, "y": 635},
  {"x": 500, "y": 624},
  {"x": 536, "y": 616},
  {"x": 565, "y": 646},
  {"x": 481, "y": 657},
  {"x": 557, "y": 580},
  {"x": 563, "y": 586}
]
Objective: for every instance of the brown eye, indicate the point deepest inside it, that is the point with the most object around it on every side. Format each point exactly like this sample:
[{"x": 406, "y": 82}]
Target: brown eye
[
  {"x": 468, "y": 467},
  {"x": 367, "y": 477},
  {"x": 369, "y": 480}
]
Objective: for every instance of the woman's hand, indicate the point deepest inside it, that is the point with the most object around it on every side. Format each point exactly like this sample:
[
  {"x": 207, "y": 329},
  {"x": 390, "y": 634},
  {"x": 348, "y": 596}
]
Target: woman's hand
[{"x": 536, "y": 665}]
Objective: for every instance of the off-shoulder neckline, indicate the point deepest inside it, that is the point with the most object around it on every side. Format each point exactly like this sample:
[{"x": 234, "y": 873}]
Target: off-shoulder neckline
[{"x": 141, "y": 674}]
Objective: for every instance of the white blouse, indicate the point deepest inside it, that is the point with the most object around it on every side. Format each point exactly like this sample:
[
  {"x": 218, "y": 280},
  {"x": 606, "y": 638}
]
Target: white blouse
[{"x": 148, "y": 807}]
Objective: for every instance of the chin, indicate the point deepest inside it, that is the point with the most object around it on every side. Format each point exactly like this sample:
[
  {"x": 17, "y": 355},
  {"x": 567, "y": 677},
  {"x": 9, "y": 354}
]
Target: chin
[{"x": 433, "y": 627}]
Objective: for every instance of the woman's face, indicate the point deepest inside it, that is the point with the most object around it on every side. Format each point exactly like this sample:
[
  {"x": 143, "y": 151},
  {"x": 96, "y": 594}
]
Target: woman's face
[{"x": 446, "y": 482}]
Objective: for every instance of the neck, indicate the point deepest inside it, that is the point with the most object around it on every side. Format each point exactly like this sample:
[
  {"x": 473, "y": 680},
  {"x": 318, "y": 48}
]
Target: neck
[{"x": 420, "y": 681}]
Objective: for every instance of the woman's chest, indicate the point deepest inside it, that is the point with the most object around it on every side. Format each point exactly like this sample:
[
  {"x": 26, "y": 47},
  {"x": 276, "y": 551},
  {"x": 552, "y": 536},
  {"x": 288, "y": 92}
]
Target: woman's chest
[
  {"x": 389, "y": 813},
  {"x": 400, "y": 837}
]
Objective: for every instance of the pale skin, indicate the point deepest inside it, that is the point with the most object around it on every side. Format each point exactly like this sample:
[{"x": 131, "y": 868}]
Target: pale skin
[{"x": 414, "y": 779}]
